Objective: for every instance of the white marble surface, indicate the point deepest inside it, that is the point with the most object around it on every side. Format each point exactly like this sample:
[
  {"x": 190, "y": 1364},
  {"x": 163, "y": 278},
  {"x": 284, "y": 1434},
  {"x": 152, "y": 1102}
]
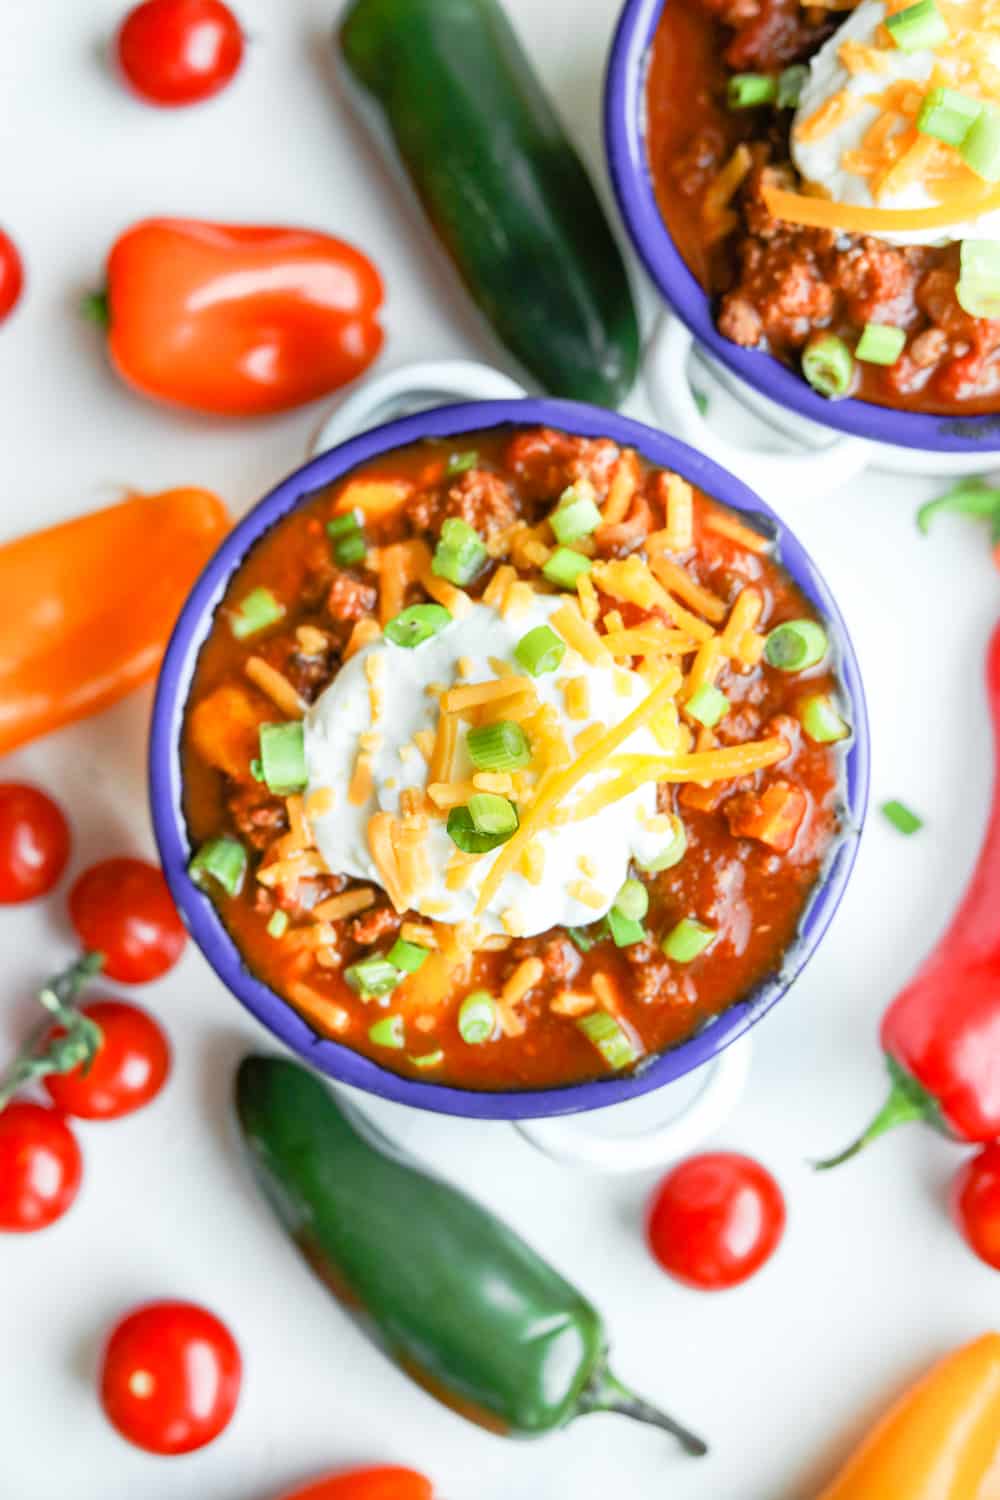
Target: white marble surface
[{"x": 871, "y": 1282}]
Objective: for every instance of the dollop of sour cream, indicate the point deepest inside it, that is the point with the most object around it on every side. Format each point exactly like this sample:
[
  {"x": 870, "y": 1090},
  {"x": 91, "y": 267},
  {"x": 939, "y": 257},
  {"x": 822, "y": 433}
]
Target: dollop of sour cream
[
  {"x": 820, "y": 158},
  {"x": 590, "y": 854}
]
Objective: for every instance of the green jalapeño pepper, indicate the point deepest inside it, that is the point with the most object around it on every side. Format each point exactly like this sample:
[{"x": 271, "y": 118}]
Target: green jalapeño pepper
[
  {"x": 457, "y": 1299},
  {"x": 505, "y": 192}
]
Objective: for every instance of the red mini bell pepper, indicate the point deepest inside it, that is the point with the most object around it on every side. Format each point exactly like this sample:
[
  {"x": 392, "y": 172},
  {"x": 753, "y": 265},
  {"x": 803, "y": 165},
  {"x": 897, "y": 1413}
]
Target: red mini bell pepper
[
  {"x": 236, "y": 319},
  {"x": 941, "y": 1034},
  {"x": 367, "y": 1484}
]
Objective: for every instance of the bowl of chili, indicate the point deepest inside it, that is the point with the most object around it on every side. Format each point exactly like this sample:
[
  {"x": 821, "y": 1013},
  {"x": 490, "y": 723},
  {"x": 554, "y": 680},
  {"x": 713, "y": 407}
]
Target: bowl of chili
[
  {"x": 285, "y": 603},
  {"x": 893, "y": 356}
]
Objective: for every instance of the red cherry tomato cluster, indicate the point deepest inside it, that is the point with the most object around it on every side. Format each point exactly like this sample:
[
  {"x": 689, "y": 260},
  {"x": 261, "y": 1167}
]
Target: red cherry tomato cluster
[{"x": 101, "y": 1059}]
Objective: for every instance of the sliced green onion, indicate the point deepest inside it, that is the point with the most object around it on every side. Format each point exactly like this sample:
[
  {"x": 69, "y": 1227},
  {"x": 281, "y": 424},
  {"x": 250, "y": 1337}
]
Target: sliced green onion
[
  {"x": 918, "y": 28},
  {"x": 978, "y": 288},
  {"x": 673, "y": 850},
  {"x": 828, "y": 365},
  {"x": 880, "y": 344},
  {"x": 477, "y": 1018},
  {"x": 701, "y": 400},
  {"x": 565, "y": 566},
  {"x": 498, "y": 747},
  {"x": 492, "y": 814},
  {"x": 981, "y": 148},
  {"x": 947, "y": 115},
  {"x": 748, "y": 90},
  {"x": 796, "y": 645},
  {"x": 576, "y": 514},
  {"x": 372, "y": 976},
  {"x": 791, "y": 82},
  {"x": 625, "y": 930},
  {"x": 541, "y": 650},
  {"x": 632, "y": 900},
  {"x": 407, "y": 956},
  {"x": 283, "y": 758},
  {"x": 278, "y": 925},
  {"x": 427, "y": 1059},
  {"x": 586, "y": 938},
  {"x": 350, "y": 521},
  {"x": 611, "y": 1040},
  {"x": 223, "y": 860},
  {"x": 461, "y": 463},
  {"x": 259, "y": 610},
  {"x": 971, "y": 498},
  {"x": 821, "y": 721},
  {"x": 466, "y": 836},
  {"x": 707, "y": 705},
  {"x": 416, "y": 624},
  {"x": 687, "y": 940},
  {"x": 350, "y": 550},
  {"x": 389, "y": 1032},
  {"x": 901, "y": 817},
  {"x": 460, "y": 552},
  {"x": 257, "y": 769}
]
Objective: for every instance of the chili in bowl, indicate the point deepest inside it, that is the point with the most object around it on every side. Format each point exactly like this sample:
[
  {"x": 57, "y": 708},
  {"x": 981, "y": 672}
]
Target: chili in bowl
[
  {"x": 814, "y": 190},
  {"x": 509, "y": 760}
]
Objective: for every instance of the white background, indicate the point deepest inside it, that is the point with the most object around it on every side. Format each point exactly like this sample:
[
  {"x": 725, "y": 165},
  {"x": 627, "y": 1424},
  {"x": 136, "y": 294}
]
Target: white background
[{"x": 871, "y": 1282}]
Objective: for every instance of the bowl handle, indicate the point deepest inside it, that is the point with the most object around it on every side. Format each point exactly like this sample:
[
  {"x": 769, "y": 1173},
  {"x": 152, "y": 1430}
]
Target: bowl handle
[
  {"x": 412, "y": 388},
  {"x": 775, "y": 476},
  {"x": 568, "y": 1139}
]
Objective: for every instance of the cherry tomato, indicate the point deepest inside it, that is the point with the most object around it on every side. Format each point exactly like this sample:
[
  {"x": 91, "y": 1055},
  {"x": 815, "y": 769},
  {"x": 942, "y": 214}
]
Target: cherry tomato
[
  {"x": 170, "y": 1377},
  {"x": 179, "y": 51},
  {"x": 40, "y": 1167},
  {"x": 715, "y": 1219},
  {"x": 34, "y": 842},
  {"x": 130, "y": 1068},
  {"x": 976, "y": 1204},
  {"x": 367, "y": 1484},
  {"x": 11, "y": 276},
  {"x": 123, "y": 909}
]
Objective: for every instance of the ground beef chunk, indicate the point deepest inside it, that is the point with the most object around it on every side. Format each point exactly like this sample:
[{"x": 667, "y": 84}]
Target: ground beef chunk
[
  {"x": 257, "y": 816},
  {"x": 483, "y": 500},
  {"x": 480, "y": 498},
  {"x": 309, "y": 675},
  {"x": 740, "y": 321},
  {"x": 693, "y": 168},
  {"x": 349, "y": 598},
  {"x": 545, "y": 462},
  {"x": 784, "y": 282},
  {"x": 778, "y": 33},
  {"x": 878, "y": 282},
  {"x": 373, "y": 926},
  {"x": 558, "y": 954}
]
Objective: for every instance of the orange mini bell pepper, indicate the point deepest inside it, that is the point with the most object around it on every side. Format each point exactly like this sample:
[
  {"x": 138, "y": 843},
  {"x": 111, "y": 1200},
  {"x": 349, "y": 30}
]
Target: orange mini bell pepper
[
  {"x": 368, "y": 1484},
  {"x": 941, "y": 1440},
  {"x": 236, "y": 319},
  {"x": 89, "y": 605}
]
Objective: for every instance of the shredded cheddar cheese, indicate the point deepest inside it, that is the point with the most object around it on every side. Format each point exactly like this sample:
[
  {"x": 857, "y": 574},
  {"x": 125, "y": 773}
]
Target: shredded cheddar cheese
[
  {"x": 347, "y": 904},
  {"x": 580, "y": 635},
  {"x": 277, "y": 687}
]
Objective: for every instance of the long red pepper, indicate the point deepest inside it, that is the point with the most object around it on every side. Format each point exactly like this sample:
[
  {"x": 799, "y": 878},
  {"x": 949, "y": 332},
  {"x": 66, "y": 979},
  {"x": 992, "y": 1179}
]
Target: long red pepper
[
  {"x": 941, "y": 1034},
  {"x": 367, "y": 1484}
]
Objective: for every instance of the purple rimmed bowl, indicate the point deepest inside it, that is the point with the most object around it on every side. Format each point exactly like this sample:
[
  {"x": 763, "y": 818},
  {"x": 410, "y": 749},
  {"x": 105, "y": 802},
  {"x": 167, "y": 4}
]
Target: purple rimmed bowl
[
  {"x": 628, "y": 163},
  {"x": 199, "y": 914}
]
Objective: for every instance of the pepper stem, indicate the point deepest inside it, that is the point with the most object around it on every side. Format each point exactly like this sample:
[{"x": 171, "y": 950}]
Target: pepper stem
[
  {"x": 606, "y": 1393},
  {"x": 97, "y": 309},
  {"x": 907, "y": 1100},
  {"x": 60, "y": 1054}
]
